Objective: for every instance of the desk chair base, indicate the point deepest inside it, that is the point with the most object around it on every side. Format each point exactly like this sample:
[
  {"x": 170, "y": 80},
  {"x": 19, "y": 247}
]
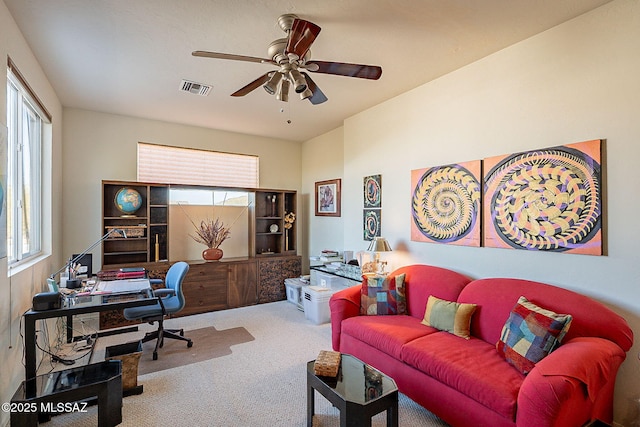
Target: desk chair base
[{"x": 161, "y": 334}]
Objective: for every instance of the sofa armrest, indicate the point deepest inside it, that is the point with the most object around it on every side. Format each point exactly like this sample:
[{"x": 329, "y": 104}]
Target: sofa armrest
[
  {"x": 343, "y": 304},
  {"x": 578, "y": 376}
]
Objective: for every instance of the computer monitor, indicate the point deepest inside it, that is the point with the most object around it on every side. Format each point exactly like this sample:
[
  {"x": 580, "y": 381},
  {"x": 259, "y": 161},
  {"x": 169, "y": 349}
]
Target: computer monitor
[{"x": 86, "y": 261}]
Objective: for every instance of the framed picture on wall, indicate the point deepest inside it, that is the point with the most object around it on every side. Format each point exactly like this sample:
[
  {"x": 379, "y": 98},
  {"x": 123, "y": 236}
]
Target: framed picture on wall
[
  {"x": 328, "y": 198},
  {"x": 372, "y": 191},
  {"x": 371, "y": 219}
]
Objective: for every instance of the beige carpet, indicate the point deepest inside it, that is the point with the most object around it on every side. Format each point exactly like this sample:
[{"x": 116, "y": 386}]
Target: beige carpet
[
  {"x": 208, "y": 343},
  {"x": 260, "y": 383}
]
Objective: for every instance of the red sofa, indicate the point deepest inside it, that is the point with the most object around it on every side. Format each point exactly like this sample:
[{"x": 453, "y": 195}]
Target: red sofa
[{"x": 466, "y": 382}]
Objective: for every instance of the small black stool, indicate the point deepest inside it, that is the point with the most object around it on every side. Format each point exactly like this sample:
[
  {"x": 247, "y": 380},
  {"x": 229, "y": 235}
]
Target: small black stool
[{"x": 57, "y": 392}]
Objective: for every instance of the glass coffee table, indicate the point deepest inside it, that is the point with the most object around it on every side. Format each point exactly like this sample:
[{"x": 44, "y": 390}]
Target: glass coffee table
[{"x": 359, "y": 392}]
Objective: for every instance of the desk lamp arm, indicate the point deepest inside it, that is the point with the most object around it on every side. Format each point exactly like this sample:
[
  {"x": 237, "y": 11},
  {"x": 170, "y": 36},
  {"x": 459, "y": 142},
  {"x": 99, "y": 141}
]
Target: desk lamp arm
[{"x": 89, "y": 249}]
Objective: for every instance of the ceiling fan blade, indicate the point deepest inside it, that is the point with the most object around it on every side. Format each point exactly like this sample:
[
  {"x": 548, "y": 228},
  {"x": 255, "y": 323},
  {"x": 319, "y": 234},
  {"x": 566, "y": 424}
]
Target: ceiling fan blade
[
  {"x": 217, "y": 55},
  {"x": 302, "y": 35},
  {"x": 372, "y": 72},
  {"x": 253, "y": 85},
  {"x": 318, "y": 97}
]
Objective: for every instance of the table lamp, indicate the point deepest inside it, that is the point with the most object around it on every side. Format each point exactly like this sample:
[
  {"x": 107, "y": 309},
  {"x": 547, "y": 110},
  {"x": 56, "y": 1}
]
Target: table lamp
[{"x": 377, "y": 245}]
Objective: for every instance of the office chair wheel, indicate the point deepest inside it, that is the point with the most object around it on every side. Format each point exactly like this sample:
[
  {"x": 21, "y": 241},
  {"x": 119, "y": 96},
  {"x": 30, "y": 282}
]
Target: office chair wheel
[
  {"x": 190, "y": 344},
  {"x": 155, "y": 355}
]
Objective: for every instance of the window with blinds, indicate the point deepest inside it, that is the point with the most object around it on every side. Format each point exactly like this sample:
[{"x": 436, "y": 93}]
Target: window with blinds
[{"x": 164, "y": 164}]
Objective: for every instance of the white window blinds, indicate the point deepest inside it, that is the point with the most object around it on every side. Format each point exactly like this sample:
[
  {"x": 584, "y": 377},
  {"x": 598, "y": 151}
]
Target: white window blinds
[{"x": 175, "y": 165}]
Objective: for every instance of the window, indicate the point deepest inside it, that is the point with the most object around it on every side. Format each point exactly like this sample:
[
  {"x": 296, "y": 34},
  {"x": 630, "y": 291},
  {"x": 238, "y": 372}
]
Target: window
[
  {"x": 174, "y": 165},
  {"x": 207, "y": 197},
  {"x": 24, "y": 169}
]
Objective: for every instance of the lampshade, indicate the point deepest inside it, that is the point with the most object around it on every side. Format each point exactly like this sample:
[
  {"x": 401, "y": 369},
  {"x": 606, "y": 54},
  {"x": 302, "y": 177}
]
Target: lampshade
[
  {"x": 283, "y": 91},
  {"x": 379, "y": 244},
  {"x": 272, "y": 85},
  {"x": 306, "y": 94},
  {"x": 299, "y": 83}
]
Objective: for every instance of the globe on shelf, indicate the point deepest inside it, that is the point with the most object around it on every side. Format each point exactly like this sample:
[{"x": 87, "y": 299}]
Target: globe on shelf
[{"x": 128, "y": 200}]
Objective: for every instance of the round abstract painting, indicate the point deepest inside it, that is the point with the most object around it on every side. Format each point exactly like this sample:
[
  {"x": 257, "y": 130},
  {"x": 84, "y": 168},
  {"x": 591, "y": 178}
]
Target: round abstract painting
[
  {"x": 446, "y": 204},
  {"x": 545, "y": 200}
]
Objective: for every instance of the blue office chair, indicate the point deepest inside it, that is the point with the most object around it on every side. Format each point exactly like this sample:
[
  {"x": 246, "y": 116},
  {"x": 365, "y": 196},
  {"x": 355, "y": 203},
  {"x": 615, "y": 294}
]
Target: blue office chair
[{"x": 170, "y": 300}]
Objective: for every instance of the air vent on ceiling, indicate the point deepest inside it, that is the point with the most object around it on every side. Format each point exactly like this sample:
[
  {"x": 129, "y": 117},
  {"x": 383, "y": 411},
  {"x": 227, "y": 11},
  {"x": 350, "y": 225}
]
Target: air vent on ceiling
[{"x": 195, "y": 88}]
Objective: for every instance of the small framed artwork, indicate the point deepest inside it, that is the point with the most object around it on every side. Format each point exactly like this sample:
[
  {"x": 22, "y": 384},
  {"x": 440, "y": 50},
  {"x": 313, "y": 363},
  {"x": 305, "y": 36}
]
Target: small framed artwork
[
  {"x": 373, "y": 191},
  {"x": 328, "y": 198},
  {"x": 371, "y": 219}
]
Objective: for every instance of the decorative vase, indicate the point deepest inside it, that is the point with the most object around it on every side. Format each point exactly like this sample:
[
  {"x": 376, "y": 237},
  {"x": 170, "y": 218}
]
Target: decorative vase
[
  {"x": 212, "y": 254},
  {"x": 286, "y": 239}
]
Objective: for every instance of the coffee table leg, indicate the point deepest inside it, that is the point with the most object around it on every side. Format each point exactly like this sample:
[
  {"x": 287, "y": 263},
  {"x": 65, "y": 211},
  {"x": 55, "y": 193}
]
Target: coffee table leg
[
  {"x": 354, "y": 415},
  {"x": 310, "y": 404},
  {"x": 392, "y": 413}
]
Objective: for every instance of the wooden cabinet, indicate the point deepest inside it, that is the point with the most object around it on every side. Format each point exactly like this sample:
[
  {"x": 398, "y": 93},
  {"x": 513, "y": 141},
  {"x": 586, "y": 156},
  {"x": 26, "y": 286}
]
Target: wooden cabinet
[
  {"x": 212, "y": 286},
  {"x": 142, "y": 229},
  {"x": 271, "y": 232},
  {"x": 219, "y": 285},
  {"x": 242, "y": 287},
  {"x": 272, "y": 272},
  {"x": 205, "y": 288}
]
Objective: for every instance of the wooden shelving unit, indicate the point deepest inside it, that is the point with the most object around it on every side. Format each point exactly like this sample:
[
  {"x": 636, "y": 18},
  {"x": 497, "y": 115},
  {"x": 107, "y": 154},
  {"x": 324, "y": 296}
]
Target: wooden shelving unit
[
  {"x": 208, "y": 286},
  {"x": 268, "y": 232},
  {"x": 269, "y": 236},
  {"x": 144, "y": 225}
]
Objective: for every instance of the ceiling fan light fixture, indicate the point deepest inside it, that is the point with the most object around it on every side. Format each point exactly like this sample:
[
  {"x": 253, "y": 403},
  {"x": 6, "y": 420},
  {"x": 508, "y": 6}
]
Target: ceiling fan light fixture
[
  {"x": 283, "y": 91},
  {"x": 299, "y": 82},
  {"x": 271, "y": 86},
  {"x": 306, "y": 94}
]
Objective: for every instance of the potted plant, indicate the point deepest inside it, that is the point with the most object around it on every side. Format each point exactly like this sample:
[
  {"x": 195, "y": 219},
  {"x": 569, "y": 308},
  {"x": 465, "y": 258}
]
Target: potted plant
[{"x": 211, "y": 233}]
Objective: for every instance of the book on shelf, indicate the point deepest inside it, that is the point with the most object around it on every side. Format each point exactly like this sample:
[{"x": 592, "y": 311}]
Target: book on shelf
[{"x": 330, "y": 253}]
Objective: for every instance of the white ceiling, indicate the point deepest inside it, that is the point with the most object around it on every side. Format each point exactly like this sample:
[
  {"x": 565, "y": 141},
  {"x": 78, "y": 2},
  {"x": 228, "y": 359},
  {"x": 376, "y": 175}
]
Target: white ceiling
[{"x": 129, "y": 56}]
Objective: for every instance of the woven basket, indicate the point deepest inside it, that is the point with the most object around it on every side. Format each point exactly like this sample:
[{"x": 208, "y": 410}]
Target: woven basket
[
  {"x": 131, "y": 230},
  {"x": 327, "y": 363},
  {"x": 129, "y": 354}
]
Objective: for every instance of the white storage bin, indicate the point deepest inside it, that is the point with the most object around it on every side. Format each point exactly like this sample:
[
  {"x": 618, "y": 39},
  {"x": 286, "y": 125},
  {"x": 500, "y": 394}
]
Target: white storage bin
[
  {"x": 326, "y": 280},
  {"x": 294, "y": 288},
  {"x": 316, "y": 304}
]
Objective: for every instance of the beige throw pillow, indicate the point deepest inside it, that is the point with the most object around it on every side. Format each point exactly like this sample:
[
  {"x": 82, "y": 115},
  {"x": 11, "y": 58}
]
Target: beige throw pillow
[{"x": 449, "y": 316}]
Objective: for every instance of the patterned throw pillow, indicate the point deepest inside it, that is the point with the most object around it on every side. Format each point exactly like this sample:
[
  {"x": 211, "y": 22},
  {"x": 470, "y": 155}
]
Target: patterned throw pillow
[
  {"x": 449, "y": 316},
  {"x": 382, "y": 295},
  {"x": 530, "y": 334}
]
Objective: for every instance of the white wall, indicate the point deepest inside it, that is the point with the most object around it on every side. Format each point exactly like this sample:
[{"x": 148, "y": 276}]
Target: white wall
[
  {"x": 322, "y": 159},
  {"x": 104, "y": 147},
  {"x": 16, "y": 292},
  {"x": 576, "y": 82}
]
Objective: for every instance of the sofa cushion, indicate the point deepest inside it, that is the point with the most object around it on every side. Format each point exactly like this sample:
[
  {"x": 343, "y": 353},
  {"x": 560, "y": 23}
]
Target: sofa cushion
[
  {"x": 449, "y": 316},
  {"x": 386, "y": 333},
  {"x": 530, "y": 334},
  {"x": 456, "y": 363},
  {"x": 424, "y": 280},
  {"x": 383, "y": 295}
]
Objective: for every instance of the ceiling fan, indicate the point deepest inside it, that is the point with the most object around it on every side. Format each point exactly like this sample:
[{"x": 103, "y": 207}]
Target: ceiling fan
[{"x": 292, "y": 56}]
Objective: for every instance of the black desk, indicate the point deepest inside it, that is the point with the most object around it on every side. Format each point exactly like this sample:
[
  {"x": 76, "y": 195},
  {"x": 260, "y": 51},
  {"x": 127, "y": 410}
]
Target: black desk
[{"x": 30, "y": 318}]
